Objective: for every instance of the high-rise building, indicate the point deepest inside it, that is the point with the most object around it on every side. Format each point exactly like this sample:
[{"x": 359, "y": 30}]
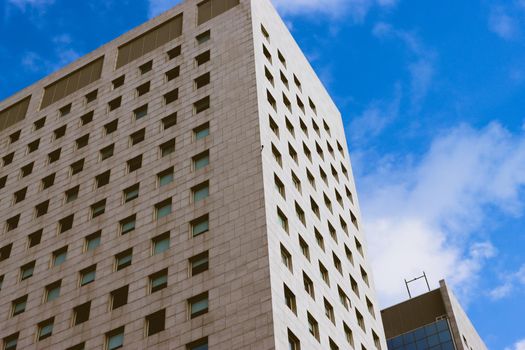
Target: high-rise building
[
  {"x": 186, "y": 186},
  {"x": 431, "y": 321}
]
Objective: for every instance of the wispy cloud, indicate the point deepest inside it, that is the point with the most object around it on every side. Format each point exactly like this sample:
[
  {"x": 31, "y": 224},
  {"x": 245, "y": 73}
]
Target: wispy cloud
[
  {"x": 24, "y": 4},
  {"x": 61, "y": 55},
  {"x": 510, "y": 282},
  {"x": 503, "y": 24},
  {"x": 519, "y": 345},
  {"x": 428, "y": 214},
  {"x": 156, "y": 7}
]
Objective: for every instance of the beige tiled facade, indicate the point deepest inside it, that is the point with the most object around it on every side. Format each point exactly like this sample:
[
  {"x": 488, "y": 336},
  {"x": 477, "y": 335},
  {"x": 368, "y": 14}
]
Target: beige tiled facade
[{"x": 227, "y": 196}]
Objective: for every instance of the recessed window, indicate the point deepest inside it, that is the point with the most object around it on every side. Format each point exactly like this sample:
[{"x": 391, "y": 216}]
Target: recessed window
[
  {"x": 155, "y": 322},
  {"x": 115, "y": 84},
  {"x": 201, "y": 105},
  {"x": 45, "y": 329},
  {"x": 119, "y": 297},
  {"x": 282, "y": 220},
  {"x": 87, "y": 275},
  {"x": 34, "y": 239},
  {"x": 163, "y": 209},
  {"x": 27, "y": 270},
  {"x": 102, "y": 179},
  {"x": 161, "y": 243},
  {"x": 12, "y": 223},
  {"x": 201, "y": 344},
  {"x": 137, "y": 137},
  {"x": 173, "y": 73},
  {"x": 167, "y": 148},
  {"x": 354, "y": 285},
  {"x": 313, "y": 326},
  {"x": 52, "y": 291},
  {"x": 14, "y": 137},
  {"x": 300, "y": 103},
  {"x": 198, "y": 305},
  {"x": 343, "y": 298},
  {"x": 324, "y": 273},
  {"x": 203, "y": 37},
  {"x": 370, "y": 307},
  {"x": 158, "y": 281},
  {"x": 77, "y": 167},
  {"x": 140, "y": 112},
  {"x": 202, "y": 131},
  {"x": 171, "y": 96},
  {"x": 134, "y": 163},
  {"x": 286, "y": 258},
  {"x": 72, "y": 194},
  {"x": 300, "y": 213},
  {"x": 267, "y": 54},
  {"x": 337, "y": 263},
  {"x": 201, "y": 160},
  {"x": 47, "y": 181},
  {"x": 60, "y": 132},
  {"x": 80, "y": 346},
  {"x": 3, "y": 181},
  {"x": 92, "y": 241},
  {"x": 92, "y": 96},
  {"x": 5, "y": 252},
  {"x": 115, "y": 103},
  {"x": 33, "y": 146},
  {"x": 86, "y": 118},
  {"x": 202, "y": 58},
  {"x": 111, "y": 127},
  {"x": 115, "y": 339},
  {"x": 123, "y": 259},
  {"x": 200, "y": 225},
  {"x": 293, "y": 342},
  {"x": 143, "y": 89},
  {"x": 271, "y": 100},
  {"x": 329, "y": 311},
  {"x": 131, "y": 193},
  {"x": 199, "y": 263},
  {"x": 274, "y": 126},
  {"x": 107, "y": 152},
  {"x": 289, "y": 299},
  {"x": 146, "y": 67},
  {"x": 308, "y": 285},
  {"x": 98, "y": 208},
  {"x": 277, "y": 156},
  {"x": 265, "y": 32},
  {"x": 304, "y": 248},
  {"x": 268, "y": 75},
  {"x": 175, "y": 52},
  {"x": 39, "y": 124},
  {"x": 348, "y": 334},
  {"x": 81, "y": 313},
  {"x": 360, "y": 320},
  {"x": 27, "y": 170},
  {"x": 41, "y": 209},
  {"x": 127, "y": 225},
  {"x": 200, "y": 192},
  {"x": 18, "y": 306},
  {"x": 11, "y": 342},
  {"x": 202, "y": 81},
  {"x": 65, "y": 110},
  {"x": 169, "y": 121},
  {"x": 8, "y": 159},
  {"x": 333, "y": 345},
  {"x": 281, "y": 58},
  {"x": 59, "y": 256},
  {"x": 19, "y": 195},
  {"x": 279, "y": 186},
  {"x": 165, "y": 177}
]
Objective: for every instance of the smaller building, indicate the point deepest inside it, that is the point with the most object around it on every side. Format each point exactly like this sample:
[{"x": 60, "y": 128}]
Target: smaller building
[{"x": 433, "y": 321}]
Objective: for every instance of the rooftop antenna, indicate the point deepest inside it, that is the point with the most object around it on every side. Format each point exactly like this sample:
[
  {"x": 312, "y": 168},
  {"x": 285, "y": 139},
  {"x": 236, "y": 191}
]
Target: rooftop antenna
[{"x": 415, "y": 279}]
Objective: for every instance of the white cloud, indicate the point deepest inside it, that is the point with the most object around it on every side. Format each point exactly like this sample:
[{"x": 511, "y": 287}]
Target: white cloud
[
  {"x": 502, "y": 24},
  {"x": 23, "y": 4},
  {"x": 519, "y": 345},
  {"x": 428, "y": 215},
  {"x": 62, "y": 54},
  {"x": 510, "y": 281},
  {"x": 156, "y": 7}
]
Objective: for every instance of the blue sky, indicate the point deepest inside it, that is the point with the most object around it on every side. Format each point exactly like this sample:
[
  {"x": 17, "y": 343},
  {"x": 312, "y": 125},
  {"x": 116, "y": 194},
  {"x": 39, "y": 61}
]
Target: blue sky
[{"x": 432, "y": 95}]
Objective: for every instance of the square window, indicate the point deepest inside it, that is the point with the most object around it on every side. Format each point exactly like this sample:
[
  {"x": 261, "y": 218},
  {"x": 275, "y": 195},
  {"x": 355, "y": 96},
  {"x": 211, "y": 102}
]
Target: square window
[
  {"x": 200, "y": 192},
  {"x": 92, "y": 241},
  {"x": 158, "y": 281},
  {"x": 5, "y": 251},
  {"x": 77, "y": 167},
  {"x": 65, "y": 110},
  {"x": 201, "y": 344},
  {"x": 156, "y": 322},
  {"x": 165, "y": 177},
  {"x": 115, "y": 84},
  {"x": 134, "y": 163},
  {"x": 171, "y": 96},
  {"x": 137, "y": 137},
  {"x": 34, "y": 238},
  {"x": 107, "y": 152},
  {"x": 72, "y": 194},
  {"x": 81, "y": 313},
  {"x": 198, "y": 305},
  {"x": 201, "y": 160},
  {"x": 202, "y": 58},
  {"x": 92, "y": 96},
  {"x": 27, "y": 270},
  {"x": 115, "y": 103},
  {"x": 143, "y": 89},
  {"x": 119, "y": 297},
  {"x": 169, "y": 121},
  {"x": 8, "y": 159},
  {"x": 163, "y": 209},
  {"x": 140, "y": 112},
  {"x": 199, "y": 263},
  {"x": 14, "y": 137},
  {"x": 146, "y": 67},
  {"x": 66, "y": 223},
  {"x": 175, "y": 52},
  {"x": 102, "y": 179},
  {"x": 161, "y": 243},
  {"x": 59, "y": 256},
  {"x": 39, "y": 124},
  {"x": 87, "y": 275},
  {"x": 60, "y": 132},
  {"x": 41, "y": 209},
  {"x": 47, "y": 181},
  {"x": 200, "y": 225},
  {"x": 33, "y": 146},
  {"x": 173, "y": 73},
  {"x": 45, "y": 329},
  {"x": 115, "y": 339},
  {"x": 12, "y": 223},
  {"x": 202, "y": 81},
  {"x": 123, "y": 259},
  {"x": 127, "y": 225},
  {"x": 167, "y": 148},
  {"x": 202, "y": 131},
  {"x": 19, "y": 195},
  {"x": 201, "y": 105},
  {"x": 11, "y": 342},
  {"x": 131, "y": 193},
  {"x": 3, "y": 181},
  {"x": 203, "y": 37},
  {"x": 98, "y": 208},
  {"x": 111, "y": 127},
  {"x": 18, "y": 306},
  {"x": 52, "y": 291},
  {"x": 86, "y": 118}
]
